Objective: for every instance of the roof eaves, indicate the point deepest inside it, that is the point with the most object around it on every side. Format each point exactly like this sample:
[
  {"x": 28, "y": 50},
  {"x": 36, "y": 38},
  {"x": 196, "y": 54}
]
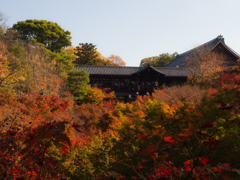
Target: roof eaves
[
  {"x": 217, "y": 39},
  {"x": 232, "y": 51},
  {"x": 141, "y": 69},
  {"x": 159, "y": 71},
  {"x": 202, "y": 45}
]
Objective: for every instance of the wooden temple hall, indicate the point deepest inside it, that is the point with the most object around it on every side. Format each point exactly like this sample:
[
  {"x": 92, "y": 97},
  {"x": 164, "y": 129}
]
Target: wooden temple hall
[{"x": 132, "y": 81}]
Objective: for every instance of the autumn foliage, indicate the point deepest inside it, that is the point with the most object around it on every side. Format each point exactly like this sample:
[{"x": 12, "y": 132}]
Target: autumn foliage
[
  {"x": 48, "y": 137},
  {"x": 30, "y": 125},
  {"x": 181, "y": 132},
  {"x": 117, "y": 60},
  {"x": 149, "y": 139},
  {"x": 28, "y": 67}
]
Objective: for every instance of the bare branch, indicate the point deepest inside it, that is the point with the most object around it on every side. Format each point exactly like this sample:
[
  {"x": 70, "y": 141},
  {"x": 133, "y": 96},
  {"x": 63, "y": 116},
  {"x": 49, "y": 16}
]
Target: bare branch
[{"x": 3, "y": 22}]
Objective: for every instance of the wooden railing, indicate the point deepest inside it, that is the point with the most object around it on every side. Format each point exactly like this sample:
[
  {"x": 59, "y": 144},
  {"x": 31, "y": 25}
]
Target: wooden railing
[{"x": 140, "y": 88}]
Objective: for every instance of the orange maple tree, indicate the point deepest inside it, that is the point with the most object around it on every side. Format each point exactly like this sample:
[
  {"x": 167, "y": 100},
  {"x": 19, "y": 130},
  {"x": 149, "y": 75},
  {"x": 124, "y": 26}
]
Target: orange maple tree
[{"x": 117, "y": 60}]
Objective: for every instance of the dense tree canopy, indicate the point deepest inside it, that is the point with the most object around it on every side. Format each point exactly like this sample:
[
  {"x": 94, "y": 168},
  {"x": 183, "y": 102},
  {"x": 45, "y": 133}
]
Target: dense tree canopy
[
  {"x": 77, "y": 83},
  {"x": 27, "y": 67},
  {"x": 159, "y": 61},
  {"x": 204, "y": 67},
  {"x": 46, "y": 32},
  {"x": 87, "y": 54}
]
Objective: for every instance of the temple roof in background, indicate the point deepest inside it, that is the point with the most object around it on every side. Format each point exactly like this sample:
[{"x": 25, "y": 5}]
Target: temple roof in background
[
  {"x": 173, "y": 69},
  {"x": 202, "y": 49}
]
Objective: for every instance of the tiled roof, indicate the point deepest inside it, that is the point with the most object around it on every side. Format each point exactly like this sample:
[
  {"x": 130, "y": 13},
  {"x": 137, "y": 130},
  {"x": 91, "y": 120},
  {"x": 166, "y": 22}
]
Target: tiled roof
[
  {"x": 127, "y": 71},
  {"x": 199, "y": 51},
  {"x": 107, "y": 70},
  {"x": 172, "y": 71},
  {"x": 140, "y": 69}
]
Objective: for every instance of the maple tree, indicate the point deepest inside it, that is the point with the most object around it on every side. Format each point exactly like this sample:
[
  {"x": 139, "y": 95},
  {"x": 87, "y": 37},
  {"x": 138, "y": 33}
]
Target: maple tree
[
  {"x": 204, "y": 67},
  {"x": 117, "y": 60},
  {"x": 147, "y": 139},
  {"x": 96, "y": 95},
  {"x": 30, "y": 126}
]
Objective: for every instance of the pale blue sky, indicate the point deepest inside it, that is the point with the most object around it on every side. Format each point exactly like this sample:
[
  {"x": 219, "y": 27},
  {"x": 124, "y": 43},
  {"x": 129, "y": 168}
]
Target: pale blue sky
[{"x": 135, "y": 29}]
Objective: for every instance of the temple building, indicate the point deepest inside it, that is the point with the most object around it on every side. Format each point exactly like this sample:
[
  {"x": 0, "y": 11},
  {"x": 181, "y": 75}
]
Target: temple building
[
  {"x": 216, "y": 46},
  {"x": 131, "y": 81}
]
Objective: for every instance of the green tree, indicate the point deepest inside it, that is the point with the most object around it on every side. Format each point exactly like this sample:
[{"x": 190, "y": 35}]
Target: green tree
[
  {"x": 63, "y": 60},
  {"x": 150, "y": 60},
  {"x": 165, "y": 58},
  {"x": 46, "y": 32},
  {"x": 77, "y": 84},
  {"x": 86, "y": 54},
  {"x": 159, "y": 61}
]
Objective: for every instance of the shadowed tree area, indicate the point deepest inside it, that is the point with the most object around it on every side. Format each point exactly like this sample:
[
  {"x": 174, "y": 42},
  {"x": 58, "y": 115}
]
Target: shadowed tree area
[
  {"x": 46, "y": 32},
  {"x": 159, "y": 61}
]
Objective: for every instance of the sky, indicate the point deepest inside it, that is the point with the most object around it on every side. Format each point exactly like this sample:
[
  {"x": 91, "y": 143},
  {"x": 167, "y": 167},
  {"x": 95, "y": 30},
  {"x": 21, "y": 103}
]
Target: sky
[{"x": 135, "y": 29}]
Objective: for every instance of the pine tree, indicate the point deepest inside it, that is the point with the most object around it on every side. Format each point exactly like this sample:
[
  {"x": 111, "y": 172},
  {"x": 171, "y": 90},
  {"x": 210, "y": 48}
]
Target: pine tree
[{"x": 86, "y": 54}]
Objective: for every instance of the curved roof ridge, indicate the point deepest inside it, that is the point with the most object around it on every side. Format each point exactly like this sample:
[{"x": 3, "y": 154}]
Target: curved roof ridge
[
  {"x": 170, "y": 67},
  {"x": 206, "y": 48},
  {"x": 145, "y": 67},
  {"x": 80, "y": 65},
  {"x": 232, "y": 51},
  {"x": 202, "y": 45},
  {"x": 155, "y": 68},
  {"x": 226, "y": 46}
]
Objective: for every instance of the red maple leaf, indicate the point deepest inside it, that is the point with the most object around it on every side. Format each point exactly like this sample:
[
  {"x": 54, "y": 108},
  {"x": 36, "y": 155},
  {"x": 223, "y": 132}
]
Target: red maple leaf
[
  {"x": 141, "y": 167},
  {"x": 209, "y": 124},
  {"x": 188, "y": 165},
  {"x": 185, "y": 134},
  {"x": 225, "y": 166},
  {"x": 143, "y": 136},
  {"x": 220, "y": 170},
  {"x": 169, "y": 139},
  {"x": 151, "y": 149},
  {"x": 150, "y": 177},
  {"x": 64, "y": 148},
  {"x": 204, "y": 161}
]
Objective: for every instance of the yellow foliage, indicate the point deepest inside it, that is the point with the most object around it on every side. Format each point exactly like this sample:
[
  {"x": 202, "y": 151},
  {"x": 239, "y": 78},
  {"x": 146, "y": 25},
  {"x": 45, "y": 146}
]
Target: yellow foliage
[{"x": 96, "y": 95}]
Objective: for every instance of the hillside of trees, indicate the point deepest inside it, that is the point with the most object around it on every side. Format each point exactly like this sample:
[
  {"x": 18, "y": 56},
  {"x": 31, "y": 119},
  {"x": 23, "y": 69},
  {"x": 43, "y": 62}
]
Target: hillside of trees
[{"x": 55, "y": 126}]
